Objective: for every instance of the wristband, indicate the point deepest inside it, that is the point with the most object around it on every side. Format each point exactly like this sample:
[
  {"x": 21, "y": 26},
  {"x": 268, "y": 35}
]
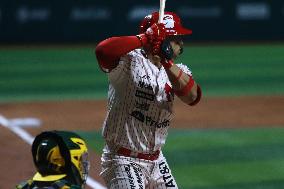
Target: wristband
[
  {"x": 167, "y": 63},
  {"x": 185, "y": 90},
  {"x": 143, "y": 39}
]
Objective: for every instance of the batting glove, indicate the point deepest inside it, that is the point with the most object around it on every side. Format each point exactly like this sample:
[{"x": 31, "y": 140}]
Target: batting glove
[{"x": 156, "y": 35}]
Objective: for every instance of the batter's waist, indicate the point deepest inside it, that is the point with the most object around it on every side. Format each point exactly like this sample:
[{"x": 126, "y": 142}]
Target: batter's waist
[{"x": 129, "y": 153}]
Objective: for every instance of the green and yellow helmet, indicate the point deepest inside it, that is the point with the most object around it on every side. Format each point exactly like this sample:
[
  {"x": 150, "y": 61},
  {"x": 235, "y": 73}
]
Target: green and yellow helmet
[{"x": 60, "y": 154}]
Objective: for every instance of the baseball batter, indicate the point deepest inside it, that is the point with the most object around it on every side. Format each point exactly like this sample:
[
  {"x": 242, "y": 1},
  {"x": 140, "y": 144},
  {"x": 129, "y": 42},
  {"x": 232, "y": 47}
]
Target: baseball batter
[{"x": 143, "y": 81}]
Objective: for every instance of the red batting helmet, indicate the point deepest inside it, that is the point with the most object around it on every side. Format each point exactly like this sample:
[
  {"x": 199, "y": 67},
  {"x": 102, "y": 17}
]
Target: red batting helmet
[{"x": 171, "y": 20}]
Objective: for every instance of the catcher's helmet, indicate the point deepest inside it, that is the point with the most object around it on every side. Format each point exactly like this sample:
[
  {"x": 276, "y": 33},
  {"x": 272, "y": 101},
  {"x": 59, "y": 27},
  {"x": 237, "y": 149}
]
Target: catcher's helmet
[
  {"x": 171, "y": 20},
  {"x": 60, "y": 154}
]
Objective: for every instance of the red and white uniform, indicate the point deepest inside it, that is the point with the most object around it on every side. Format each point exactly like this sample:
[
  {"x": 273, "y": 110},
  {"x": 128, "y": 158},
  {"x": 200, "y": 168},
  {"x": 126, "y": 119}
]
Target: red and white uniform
[
  {"x": 140, "y": 104},
  {"x": 140, "y": 110}
]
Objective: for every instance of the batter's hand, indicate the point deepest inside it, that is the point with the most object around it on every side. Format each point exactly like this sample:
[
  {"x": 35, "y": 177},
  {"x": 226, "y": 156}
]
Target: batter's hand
[{"x": 156, "y": 35}]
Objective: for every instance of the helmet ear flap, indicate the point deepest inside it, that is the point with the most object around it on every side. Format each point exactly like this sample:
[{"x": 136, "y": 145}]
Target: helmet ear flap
[
  {"x": 167, "y": 50},
  {"x": 46, "y": 167},
  {"x": 47, "y": 154},
  {"x": 56, "y": 167},
  {"x": 59, "y": 154}
]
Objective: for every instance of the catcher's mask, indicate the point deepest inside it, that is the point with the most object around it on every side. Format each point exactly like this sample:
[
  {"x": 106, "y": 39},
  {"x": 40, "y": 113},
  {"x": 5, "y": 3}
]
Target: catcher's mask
[
  {"x": 171, "y": 20},
  {"x": 60, "y": 154}
]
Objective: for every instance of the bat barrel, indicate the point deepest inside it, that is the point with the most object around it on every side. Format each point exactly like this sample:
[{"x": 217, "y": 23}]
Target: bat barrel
[{"x": 162, "y": 10}]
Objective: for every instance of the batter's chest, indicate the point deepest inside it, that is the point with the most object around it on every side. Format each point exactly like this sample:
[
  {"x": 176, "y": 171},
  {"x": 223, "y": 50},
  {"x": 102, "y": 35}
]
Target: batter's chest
[{"x": 150, "y": 87}]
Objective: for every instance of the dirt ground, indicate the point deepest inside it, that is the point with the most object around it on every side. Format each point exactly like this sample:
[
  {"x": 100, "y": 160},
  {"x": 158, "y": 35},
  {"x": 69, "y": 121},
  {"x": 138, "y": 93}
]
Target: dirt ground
[{"x": 16, "y": 161}]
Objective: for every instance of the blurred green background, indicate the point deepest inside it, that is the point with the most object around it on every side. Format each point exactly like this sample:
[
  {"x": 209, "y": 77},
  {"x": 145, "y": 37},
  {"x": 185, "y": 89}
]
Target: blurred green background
[
  {"x": 221, "y": 158},
  {"x": 199, "y": 158},
  {"x": 236, "y": 49},
  {"x": 72, "y": 73}
]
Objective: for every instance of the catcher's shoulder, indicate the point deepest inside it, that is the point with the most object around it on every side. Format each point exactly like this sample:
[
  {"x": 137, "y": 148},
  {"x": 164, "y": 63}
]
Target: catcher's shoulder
[{"x": 24, "y": 185}]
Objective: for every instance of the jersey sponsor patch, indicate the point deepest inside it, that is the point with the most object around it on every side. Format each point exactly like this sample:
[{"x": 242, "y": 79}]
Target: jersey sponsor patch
[
  {"x": 149, "y": 120},
  {"x": 167, "y": 177},
  {"x": 142, "y": 106},
  {"x": 138, "y": 115},
  {"x": 134, "y": 176},
  {"x": 144, "y": 95},
  {"x": 144, "y": 85}
]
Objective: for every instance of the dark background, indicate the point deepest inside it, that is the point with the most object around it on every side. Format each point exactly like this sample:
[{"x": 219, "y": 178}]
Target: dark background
[{"x": 72, "y": 21}]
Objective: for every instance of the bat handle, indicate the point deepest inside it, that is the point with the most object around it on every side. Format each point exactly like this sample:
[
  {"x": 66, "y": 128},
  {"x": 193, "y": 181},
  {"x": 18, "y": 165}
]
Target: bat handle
[{"x": 162, "y": 10}]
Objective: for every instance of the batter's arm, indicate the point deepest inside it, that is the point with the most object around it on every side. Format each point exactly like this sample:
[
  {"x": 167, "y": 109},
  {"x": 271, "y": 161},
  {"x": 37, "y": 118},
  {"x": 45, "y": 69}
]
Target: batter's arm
[
  {"x": 184, "y": 85},
  {"x": 109, "y": 51}
]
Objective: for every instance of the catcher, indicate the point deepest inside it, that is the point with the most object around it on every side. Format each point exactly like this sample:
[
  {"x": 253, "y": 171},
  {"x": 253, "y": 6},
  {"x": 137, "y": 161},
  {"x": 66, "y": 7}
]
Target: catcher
[
  {"x": 61, "y": 160},
  {"x": 143, "y": 81}
]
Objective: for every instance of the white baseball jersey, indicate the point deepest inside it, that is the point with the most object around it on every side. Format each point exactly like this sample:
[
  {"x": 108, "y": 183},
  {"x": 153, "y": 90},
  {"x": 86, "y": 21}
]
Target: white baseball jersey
[{"x": 140, "y": 104}]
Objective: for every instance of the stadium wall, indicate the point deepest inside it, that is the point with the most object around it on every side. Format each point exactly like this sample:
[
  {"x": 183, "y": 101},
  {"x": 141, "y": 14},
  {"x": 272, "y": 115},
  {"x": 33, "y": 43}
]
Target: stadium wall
[{"x": 92, "y": 20}]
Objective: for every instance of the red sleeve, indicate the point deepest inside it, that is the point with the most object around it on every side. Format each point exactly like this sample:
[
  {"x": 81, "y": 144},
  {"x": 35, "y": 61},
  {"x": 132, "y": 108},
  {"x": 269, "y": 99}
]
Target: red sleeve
[{"x": 109, "y": 51}]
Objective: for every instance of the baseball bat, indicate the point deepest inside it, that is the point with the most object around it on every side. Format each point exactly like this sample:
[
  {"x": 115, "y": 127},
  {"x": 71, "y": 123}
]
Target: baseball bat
[{"x": 162, "y": 10}]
